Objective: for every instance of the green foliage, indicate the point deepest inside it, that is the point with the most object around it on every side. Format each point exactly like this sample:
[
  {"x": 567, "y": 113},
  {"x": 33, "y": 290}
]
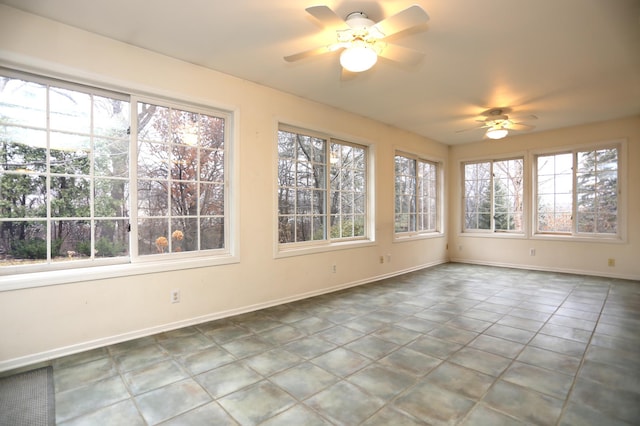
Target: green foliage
[
  {"x": 35, "y": 248},
  {"x": 106, "y": 248}
]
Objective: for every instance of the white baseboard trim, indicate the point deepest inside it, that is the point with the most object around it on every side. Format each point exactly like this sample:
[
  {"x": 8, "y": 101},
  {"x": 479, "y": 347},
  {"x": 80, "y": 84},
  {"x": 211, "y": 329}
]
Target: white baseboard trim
[
  {"x": 548, "y": 269},
  {"x": 47, "y": 356}
]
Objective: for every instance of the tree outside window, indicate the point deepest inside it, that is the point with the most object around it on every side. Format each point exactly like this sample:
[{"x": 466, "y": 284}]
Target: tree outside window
[
  {"x": 416, "y": 195},
  {"x": 493, "y": 195},
  {"x": 322, "y": 188},
  {"x": 577, "y": 192}
]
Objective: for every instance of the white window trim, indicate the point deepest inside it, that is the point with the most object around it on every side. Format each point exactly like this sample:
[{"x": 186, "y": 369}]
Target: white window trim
[
  {"x": 284, "y": 250},
  {"x": 623, "y": 184},
  {"x": 492, "y": 233},
  {"x": 400, "y": 237},
  {"x": 108, "y": 268}
]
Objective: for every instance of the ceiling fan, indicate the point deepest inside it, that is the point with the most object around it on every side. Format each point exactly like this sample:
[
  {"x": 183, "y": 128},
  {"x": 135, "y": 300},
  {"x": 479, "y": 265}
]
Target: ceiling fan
[
  {"x": 498, "y": 123},
  {"x": 361, "y": 39}
]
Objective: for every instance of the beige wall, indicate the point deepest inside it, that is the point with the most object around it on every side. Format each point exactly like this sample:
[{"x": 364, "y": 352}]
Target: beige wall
[
  {"x": 565, "y": 256},
  {"x": 44, "y": 322}
]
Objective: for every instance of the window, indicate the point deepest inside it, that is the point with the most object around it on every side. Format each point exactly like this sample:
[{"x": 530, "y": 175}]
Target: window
[
  {"x": 180, "y": 179},
  {"x": 577, "y": 192},
  {"x": 76, "y": 178},
  {"x": 493, "y": 196},
  {"x": 416, "y": 195},
  {"x": 322, "y": 188}
]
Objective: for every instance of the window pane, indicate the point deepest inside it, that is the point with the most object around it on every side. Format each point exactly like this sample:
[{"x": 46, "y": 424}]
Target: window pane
[
  {"x": 70, "y": 197},
  {"x": 111, "y": 157},
  {"x": 183, "y": 175},
  {"x": 477, "y": 200},
  {"x": 23, "y": 149},
  {"x": 23, "y": 195},
  {"x": 112, "y": 238},
  {"x": 23, "y": 102},
  {"x": 152, "y": 236},
  {"x": 24, "y": 242},
  {"x": 555, "y": 189},
  {"x": 69, "y": 110},
  {"x": 111, "y": 197}
]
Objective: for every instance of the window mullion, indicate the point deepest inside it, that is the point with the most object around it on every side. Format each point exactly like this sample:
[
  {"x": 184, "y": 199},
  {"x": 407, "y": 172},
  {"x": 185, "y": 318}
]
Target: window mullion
[{"x": 133, "y": 179}]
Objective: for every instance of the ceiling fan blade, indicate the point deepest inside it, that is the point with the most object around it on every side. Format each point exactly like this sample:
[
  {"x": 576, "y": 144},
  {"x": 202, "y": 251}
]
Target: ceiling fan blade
[
  {"x": 307, "y": 53},
  {"x": 327, "y": 16},
  {"x": 410, "y": 17},
  {"x": 520, "y": 126},
  {"x": 471, "y": 128},
  {"x": 401, "y": 54}
]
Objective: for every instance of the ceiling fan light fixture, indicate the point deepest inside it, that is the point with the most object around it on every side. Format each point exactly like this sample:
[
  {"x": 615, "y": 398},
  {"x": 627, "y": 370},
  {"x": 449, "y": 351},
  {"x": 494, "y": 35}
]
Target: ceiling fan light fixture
[
  {"x": 358, "y": 57},
  {"x": 497, "y": 133}
]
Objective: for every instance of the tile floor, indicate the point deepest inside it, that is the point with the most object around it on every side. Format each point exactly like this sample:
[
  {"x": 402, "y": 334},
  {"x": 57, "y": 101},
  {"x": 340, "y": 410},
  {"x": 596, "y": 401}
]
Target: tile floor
[{"x": 449, "y": 345}]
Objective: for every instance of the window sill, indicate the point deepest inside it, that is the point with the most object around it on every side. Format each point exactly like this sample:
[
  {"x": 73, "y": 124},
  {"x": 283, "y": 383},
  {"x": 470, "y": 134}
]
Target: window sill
[
  {"x": 580, "y": 238},
  {"x": 67, "y": 276},
  {"x": 491, "y": 234},
  {"x": 302, "y": 249},
  {"x": 401, "y": 238}
]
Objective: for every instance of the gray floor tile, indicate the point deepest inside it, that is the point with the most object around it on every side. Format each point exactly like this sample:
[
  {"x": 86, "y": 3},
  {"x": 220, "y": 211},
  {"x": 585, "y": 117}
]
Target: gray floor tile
[
  {"x": 497, "y": 346},
  {"x": 481, "y": 361},
  {"x": 228, "y": 378},
  {"x": 309, "y": 347},
  {"x": 582, "y": 415},
  {"x": 382, "y": 382},
  {"x": 339, "y": 334},
  {"x": 453, "y": 334},
  {"x": 463, "y": 381},
  {"x": 139, "y": 357},
  {"x": 560, "y": 345},
  {"x": 611, "y": 402},
  {"x": 177, "y": 398},
  {"x": 89, "y": 398},
  {"x": 524, "y": 404},
  {"x": 550, "y": 360},
  {"x": 341, "y": 362},
  {"x": 208, "y": 359},
  {"x": 410, "y": 361},
  {"x": 539, "y": 379},
  {"x": 256, "y": 403},
  {"x": 273, "y": 361},
  {"x": 297, "y": 415},
  {"x": 510, "y": 333},
  {"x": 77, "y": 375},
  {"x": 343, "y": 403},
  {"x": 433, "y": 404},
  {"x": 247, "y": 346},
  {"x": 209, "y": 414},
  {"x": 372, "y": 347},
  {"x": 121, "y": 413},
  {"x": 154, "y": 376},
  {"x": 435, "y": 347},
  {"x": 388, "y": 416},
  {"x": 482, "y": 415},
  {"x": 303, "y": 380}
]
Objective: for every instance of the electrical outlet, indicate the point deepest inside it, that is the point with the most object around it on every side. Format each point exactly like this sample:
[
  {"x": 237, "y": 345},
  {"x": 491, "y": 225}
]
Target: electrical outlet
[
  {"x": 175, "y": 296},
  {"x": 532, "y": 252},
  {"x": 611, "y": 262},
  {"x": 388, "y": 258},
  {"x": 381, "y": 259},
  {"x": 334, "y": 268}
]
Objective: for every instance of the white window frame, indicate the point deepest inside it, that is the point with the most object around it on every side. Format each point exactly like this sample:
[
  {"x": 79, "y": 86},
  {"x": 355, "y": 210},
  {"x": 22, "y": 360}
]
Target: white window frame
[
  {"x": 439, "y": 184},
  {"x": 492, "y": 232},
  {"x": 327, "y": 244},
  {"x": 38, "y": 275},
  {"x": 621, "y": 235}
]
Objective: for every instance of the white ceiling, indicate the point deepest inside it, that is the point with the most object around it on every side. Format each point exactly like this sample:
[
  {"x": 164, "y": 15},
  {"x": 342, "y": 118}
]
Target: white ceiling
[{"x": 568, "y": 62}]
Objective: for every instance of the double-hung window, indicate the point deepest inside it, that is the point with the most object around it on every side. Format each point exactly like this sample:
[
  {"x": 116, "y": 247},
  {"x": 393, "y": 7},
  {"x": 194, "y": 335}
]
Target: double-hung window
[
  {"x": 91, "y": 177},
  {"x": 416, "y": 195},
  {"x": 493, "y": 196},
  {"x": 577, "y": 192},
  {"x": 322, "y": 188}
]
